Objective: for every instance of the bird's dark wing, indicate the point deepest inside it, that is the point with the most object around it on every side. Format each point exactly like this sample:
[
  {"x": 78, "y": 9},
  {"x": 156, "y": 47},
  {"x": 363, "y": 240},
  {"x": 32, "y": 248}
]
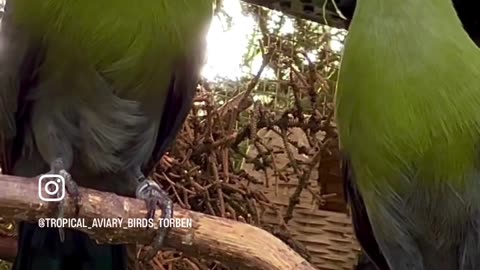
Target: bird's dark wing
[
  {"x": 19, "y": 57},
  {"x": 361, "y": 223},
  {"x": 182, "y": 89}
]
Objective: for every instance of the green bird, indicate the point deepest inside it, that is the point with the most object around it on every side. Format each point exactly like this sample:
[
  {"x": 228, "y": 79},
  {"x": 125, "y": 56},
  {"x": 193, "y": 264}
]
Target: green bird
[
  {"x": 408, "y": 113},
  {"x": 95, "y": 91}
]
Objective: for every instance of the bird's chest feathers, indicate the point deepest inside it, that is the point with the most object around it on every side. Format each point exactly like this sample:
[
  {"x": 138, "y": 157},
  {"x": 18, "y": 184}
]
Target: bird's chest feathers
[
  {"x": 132, "y": 44},
  {"x": 404, "y": 123}
]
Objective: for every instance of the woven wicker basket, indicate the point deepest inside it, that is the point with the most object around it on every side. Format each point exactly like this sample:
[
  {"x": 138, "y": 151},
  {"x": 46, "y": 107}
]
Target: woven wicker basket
[{"x": 327, "y": 235}]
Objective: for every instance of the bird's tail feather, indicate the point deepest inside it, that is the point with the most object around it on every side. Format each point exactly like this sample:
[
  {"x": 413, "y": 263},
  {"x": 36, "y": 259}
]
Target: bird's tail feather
[{"x": 41, "y": 249}]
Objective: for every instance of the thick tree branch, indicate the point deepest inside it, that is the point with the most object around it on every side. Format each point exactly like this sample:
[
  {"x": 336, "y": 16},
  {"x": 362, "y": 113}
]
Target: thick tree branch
[{"x": 225, "y": 240}]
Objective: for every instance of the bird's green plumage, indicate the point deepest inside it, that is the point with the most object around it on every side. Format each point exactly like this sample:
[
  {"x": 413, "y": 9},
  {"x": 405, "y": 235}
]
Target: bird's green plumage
[
  {"x": 98, "y": 89},
  {"x": 408, "y": 94},
  {"x": 408, "y": 114},
  {"x": 132, "y": 43}
]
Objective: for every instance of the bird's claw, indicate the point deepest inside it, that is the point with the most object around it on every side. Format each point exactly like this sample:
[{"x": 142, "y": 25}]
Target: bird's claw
[
  {"x": 154, "y": 196},
  {"x": 71, "y": 188}
]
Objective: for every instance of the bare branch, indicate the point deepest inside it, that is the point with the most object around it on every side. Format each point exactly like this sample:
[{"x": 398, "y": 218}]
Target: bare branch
[{"x": 221, "y": 239}]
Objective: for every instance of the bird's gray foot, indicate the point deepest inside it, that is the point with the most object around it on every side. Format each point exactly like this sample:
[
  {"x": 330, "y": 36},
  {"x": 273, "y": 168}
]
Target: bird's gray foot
[
  {"x": 154, "y": 196},
  {"x": 57, "y": 167}
]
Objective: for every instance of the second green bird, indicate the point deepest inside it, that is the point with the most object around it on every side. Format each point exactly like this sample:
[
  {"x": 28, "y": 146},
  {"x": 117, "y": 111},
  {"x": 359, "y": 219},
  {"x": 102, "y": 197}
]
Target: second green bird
[{"x": 408, "y": 112}]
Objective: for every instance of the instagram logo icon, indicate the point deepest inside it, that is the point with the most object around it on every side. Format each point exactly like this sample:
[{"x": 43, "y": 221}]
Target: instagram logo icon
[{"x": 51, "y": 187}]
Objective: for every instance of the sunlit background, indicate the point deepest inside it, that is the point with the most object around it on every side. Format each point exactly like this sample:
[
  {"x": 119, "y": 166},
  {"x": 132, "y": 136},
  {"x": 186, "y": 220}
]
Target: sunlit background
[{"x": 230, "y": 34}]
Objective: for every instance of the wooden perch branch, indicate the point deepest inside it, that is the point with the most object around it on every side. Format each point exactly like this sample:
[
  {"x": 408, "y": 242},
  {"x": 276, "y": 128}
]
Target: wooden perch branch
[{"x": 211, "y": 237}]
